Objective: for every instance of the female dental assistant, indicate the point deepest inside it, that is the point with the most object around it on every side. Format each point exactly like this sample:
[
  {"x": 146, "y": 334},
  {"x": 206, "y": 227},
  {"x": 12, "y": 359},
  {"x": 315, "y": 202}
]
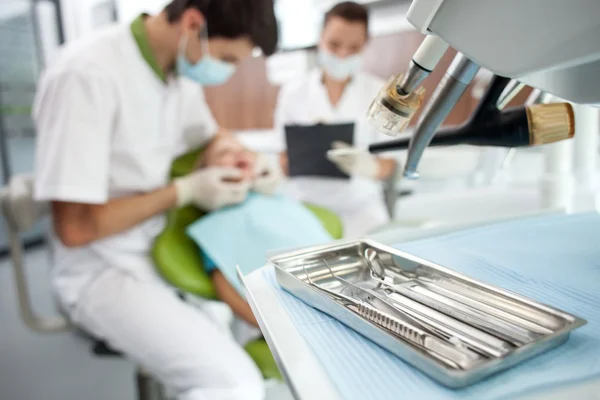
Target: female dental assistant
[
  {"x": 112, "y": 112},
  {"x": 336, "y": 92}
]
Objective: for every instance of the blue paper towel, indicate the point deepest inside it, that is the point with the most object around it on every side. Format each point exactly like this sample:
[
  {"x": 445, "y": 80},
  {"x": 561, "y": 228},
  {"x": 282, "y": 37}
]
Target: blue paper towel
[
  {"x": 555, "y": 260},
  {"x": 241, "y": 235}
]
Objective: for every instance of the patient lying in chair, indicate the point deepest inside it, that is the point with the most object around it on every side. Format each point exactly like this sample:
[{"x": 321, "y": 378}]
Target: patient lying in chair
[{"x": 240, "y": 236}]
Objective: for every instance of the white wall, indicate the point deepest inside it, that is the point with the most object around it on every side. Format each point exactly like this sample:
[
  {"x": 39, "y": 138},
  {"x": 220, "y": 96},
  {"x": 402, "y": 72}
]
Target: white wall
[
  {"x": 81, "y": 17},
  {"x": 299, "y": 23},
  {"x": 389, "y": 18},
  {"x": 130, "y": 9},
  {"x": 301, "y": 20}
]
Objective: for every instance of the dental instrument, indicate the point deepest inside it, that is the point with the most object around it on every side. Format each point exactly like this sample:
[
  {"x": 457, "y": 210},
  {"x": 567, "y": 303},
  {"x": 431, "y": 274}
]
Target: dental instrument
[
  {"x": 405, "y": 327},
  {"x": 465, "y": 330},
  {"x": 490, "y": 125}
]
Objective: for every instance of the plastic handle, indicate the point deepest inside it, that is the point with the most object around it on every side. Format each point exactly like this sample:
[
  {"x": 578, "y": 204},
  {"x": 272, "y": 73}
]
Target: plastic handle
[{"x": 430, "y": 52}]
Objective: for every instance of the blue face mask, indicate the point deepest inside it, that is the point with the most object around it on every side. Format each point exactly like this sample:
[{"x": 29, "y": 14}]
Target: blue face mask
[
  {"x": 339, "y": 68},
  {"x": 208, "y": 71}
]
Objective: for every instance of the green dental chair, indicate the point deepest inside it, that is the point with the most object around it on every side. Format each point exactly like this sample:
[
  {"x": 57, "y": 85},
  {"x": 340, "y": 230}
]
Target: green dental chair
[{"x": 178, "y": 259}]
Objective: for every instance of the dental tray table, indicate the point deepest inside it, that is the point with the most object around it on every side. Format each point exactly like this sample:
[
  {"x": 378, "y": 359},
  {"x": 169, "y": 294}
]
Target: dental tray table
[{"x": 455, "y": 329}]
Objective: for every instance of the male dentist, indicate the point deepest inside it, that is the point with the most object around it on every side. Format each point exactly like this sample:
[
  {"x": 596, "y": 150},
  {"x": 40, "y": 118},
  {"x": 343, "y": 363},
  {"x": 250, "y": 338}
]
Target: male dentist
[{"x": 112, "y": 112}]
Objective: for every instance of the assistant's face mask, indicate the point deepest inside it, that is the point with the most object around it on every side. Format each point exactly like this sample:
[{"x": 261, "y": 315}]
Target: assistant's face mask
[
  {"x": 208, "y": 71},
  {"x": 339, "y": 68}
]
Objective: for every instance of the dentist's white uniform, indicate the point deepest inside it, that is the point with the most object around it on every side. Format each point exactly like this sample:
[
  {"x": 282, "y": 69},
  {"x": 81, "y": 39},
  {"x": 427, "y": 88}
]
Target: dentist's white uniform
[
  {"x": 358, "y": 201},
  {"x": 108, "y": 127}
]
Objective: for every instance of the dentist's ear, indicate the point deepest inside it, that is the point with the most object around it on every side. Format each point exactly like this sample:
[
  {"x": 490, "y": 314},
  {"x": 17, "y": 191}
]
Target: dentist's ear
[{"x": 192, "y": 21}]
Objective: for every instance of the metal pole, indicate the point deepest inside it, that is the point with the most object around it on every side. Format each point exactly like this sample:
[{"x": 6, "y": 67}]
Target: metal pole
[
  {"x": 59, "y": 19},
  {"x": 4, "y": 156},
  {"x": 115, "y": 11}
]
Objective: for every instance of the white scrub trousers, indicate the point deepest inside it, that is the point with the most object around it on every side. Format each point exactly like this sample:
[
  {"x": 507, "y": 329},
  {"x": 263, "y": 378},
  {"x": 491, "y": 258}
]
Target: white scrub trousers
[{"x": 178, "y": 344}]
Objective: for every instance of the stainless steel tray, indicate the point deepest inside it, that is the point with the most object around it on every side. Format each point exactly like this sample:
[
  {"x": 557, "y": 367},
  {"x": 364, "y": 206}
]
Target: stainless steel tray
[{"x": 453, "y": 328}]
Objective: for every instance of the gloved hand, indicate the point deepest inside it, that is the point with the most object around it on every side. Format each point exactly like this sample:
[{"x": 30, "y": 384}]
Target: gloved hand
[
  {"x": 211, "y": 188},
  {"x": 268, "y": 175},
  {"x": 354, "y": 161}
]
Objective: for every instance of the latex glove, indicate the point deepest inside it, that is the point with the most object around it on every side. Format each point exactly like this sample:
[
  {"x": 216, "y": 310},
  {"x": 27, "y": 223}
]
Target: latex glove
[
  {"x": 211, "y": 188},
  {"x": 268, "y": 175},
  {"x": 354, "y": 161}
]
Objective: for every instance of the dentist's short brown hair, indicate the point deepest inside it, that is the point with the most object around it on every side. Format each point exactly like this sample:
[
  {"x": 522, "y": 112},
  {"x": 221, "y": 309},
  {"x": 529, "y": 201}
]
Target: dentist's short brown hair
[
  {"x": 232, "y": 19},
  {"x": 349, "y": 11}
]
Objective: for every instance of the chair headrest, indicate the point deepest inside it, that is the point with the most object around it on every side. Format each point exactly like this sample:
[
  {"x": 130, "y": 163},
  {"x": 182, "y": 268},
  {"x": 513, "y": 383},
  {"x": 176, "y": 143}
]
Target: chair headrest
[{"x": 19, "y": 208}]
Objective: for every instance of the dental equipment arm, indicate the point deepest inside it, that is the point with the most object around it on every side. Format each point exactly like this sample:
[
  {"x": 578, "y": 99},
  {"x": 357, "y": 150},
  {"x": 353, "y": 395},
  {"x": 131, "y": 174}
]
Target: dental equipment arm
[
  {"x": 511, "y": 128},
  {"x": 460, "y": 73},
  {"x": 423, "y": 62},
  {"x": 551, "y": 46},
  {"x": 392, "y": 110},
  {"x": 491, "y": 126}
]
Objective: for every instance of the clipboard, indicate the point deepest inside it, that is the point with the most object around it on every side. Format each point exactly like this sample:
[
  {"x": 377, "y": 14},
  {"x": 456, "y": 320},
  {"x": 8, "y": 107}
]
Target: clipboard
[{"x": 307, "y": 147}]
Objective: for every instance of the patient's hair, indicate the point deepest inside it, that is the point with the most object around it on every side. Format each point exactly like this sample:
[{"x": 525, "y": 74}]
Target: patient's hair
[
  {"x": 233, "y": 19},
  {"x": 349, "y": 11}
]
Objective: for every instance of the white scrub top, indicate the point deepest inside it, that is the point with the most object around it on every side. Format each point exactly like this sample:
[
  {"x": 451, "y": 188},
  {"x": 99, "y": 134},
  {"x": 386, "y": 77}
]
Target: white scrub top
[
  {"x": 358, "y": 201},
  {"x": 109, "y": 125}
]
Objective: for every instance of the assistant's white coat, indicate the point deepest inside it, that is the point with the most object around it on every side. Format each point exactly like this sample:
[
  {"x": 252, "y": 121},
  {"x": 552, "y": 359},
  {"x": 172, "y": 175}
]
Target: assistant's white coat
[{"x": 304, "y": 101}]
